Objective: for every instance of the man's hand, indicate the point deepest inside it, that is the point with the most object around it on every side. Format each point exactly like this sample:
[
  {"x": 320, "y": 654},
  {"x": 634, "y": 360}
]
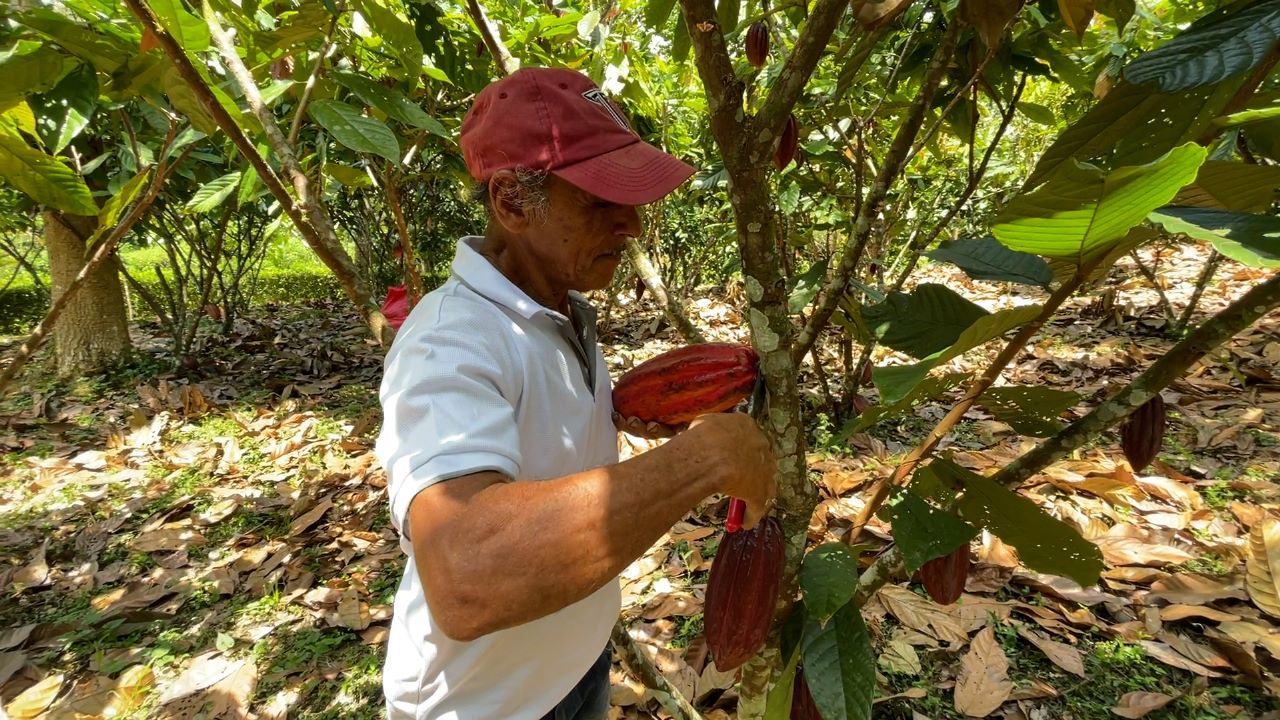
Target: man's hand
[
  {"x": 647, "y": 430},
  {"x": 744, "y": 459}
]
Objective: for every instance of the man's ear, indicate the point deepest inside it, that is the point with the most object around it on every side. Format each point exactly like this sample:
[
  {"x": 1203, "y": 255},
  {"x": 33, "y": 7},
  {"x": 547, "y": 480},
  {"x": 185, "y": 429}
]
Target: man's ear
[{"x": 504, "y": 201}]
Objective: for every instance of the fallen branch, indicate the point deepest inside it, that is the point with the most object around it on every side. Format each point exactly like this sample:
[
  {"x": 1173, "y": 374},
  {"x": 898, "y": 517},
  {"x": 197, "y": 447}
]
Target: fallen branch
[
  {"x": 640, "y": 666},
  {"x": 653, "y": 282}
]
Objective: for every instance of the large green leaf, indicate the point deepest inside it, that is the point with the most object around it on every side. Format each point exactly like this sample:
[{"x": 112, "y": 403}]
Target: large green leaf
[
  {"x": 1253, "y": 240},
  {"x": 34, "y": 71},
  {"x": 64, "y": 112},
  {"x": 987, "y": 259},
  {"x": 930, "y": 388},
  {"x": 896, "y": 382},
  {"x": 656, "y": 13},
  {"x": 43, "y": 177},
  {"x": 354, "y": 130},
  {"x": 105, "y": 52},
  {"x": 213, "y": 193},
  {"x": 1214, "y": 48},
  {"x": 112, "y": 208},
  {"x": 1134, "y": 124},
  {"x": 828, "y": 576},
  {"x": 190, "y": 31},
  {"x": 1044, "y": 543},
  {"x": 728, "y": 12},
  {"x": 1119, "y": 10},
  {"x": 777, "y": 705},
  {"x": 185, "y": 101},
  {"x": 839, "y": 665},
  {"x": 681, "y": 43},
  {"x": 922, "y": 531},
  {"x": 1083, "y": 211},
  {"x": 806, "y": 287},
  {"x": 391, "y": 102},
  {"x": 1223, "y": 185},
  {"x": 921, "y": 322},
  {"x": 398, "y": 36},
  {"x": 1030, "y": 410}
]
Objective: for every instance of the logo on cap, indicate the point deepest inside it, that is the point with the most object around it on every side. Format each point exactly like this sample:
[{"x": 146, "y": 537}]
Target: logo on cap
[{"x": 597, "y": 96}]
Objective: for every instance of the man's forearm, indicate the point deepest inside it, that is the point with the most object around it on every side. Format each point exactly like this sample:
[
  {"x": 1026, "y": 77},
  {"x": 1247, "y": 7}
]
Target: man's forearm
[{"x": 517, "y": 551}]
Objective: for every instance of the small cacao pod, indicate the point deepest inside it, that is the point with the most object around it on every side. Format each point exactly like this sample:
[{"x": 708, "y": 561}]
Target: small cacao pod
[
  {"x": 944, "y": 577},
  {"x": 679, "y": 385},
  {"x": 742, "y": 592},
  {"x": 787, "y": 144},
  {"x": 866, "y": 374},
  {"x": 802, "y": 706},
  {"x": 757, "y": 43},
  {"x": 1143, "y": 433},
  {"x": 860, "y": 405}
]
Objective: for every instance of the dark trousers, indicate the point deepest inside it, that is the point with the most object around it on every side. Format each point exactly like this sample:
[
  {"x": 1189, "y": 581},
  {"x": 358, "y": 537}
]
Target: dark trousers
[{"x": 589, "y": 699}]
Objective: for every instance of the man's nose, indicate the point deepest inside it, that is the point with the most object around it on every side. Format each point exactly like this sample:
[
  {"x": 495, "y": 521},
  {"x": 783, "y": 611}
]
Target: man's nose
[{"x": 629, "y": 223}]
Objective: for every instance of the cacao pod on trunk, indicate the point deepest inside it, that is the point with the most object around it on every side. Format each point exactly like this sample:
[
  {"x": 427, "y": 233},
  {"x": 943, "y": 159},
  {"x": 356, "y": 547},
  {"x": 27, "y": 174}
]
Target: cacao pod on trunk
[
  {"x": 679, "y": 385},
  {"x": 860, "y": 405},
  {"x": 802, "y": 707},
  {"x": 742, "y": 592},
  {"x": 757, "y": 43},
  {"x": 1143, "y": 433},
  {"x": 787, "y": 143},
  {"x": 944, "y": 577}
]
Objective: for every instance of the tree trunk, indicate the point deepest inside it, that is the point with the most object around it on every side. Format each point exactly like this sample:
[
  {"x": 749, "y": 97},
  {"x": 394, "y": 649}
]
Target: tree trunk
[{"x": 94, "y": 331}]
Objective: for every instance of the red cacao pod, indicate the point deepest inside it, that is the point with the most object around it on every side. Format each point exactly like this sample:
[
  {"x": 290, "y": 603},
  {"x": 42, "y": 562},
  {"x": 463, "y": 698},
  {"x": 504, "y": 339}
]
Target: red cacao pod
[
  {"x": 742, "y": 592},
  {"x": 1143, "y": 433},
  {"x": 757, "y": 43},
  {"x": 787, "y": 144},
  {"x": 802, "y": 706},
  {"x": 679, "y": 385},
  {"x": 944, "y": 577}
]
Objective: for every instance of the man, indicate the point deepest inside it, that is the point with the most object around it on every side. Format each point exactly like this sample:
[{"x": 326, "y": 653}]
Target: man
[{"x": 499, "y": 439}]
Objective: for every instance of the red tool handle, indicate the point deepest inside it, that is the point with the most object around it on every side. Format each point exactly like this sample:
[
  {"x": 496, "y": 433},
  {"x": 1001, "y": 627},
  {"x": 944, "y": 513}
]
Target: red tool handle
[{"x": 737, "y": 510}]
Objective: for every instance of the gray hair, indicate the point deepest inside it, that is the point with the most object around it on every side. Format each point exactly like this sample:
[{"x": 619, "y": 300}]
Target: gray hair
[{"x": 529, "y": 193}]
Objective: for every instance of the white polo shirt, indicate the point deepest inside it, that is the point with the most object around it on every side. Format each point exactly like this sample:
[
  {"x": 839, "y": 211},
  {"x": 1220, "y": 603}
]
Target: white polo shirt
[{"x": 481, "y": 377}]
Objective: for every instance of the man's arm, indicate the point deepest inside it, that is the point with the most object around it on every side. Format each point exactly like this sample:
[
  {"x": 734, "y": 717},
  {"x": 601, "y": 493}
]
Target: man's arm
[{"x": 494, "y": 554}]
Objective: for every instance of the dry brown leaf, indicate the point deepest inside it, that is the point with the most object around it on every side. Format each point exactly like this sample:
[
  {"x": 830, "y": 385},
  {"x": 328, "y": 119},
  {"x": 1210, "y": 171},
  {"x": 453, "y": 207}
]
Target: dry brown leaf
[
  {"x": 352, "y": 611},
  {"x": 231, "y": 694},
  {"x": 983, "y": 685},
  {"x": 1173, "y": 491},
  {"x": 303, "y": 522},
  {"x": 131, "y": 689},
  {"x": 672, "y": 604},
  {"x": 1195, "y": 589},
  {"x": 202, "y": 672},
  {"x": 36, "y": 572},
  {"x": 1059, "y": 653},
  {"x": 1172, "y": 613},
  {"x": 1130, "y": 551},
  {"x": 1168, "y": 656},
  {"x": 1248, "y": 514},
  {"x": 14, "y": 637},
  {"x": 898, "y": 656},
  {"x": 168, "y": 539},
  {"x": 1138, "y": 704},
  {"x": 921, "y": 614},
  {"x": 1262, "y": 566},
  {"x": 33, "y": 701},
  {"x": 10, "y": 663}
]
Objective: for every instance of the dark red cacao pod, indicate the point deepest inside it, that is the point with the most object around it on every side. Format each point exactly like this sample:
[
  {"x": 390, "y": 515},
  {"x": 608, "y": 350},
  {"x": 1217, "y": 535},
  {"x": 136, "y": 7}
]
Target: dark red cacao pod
[
  {"x": 860, "y": 405},
  {"x": 757, "y": 43},
  {"x": 679, "y": 385},
  {"x": 1143, "y": 433},
  {"x": 742, "y": 592},
  {"x": 944, "y": 577},
  {"x": 802, "y": 707},
  {"x": 787, "y": 144}
]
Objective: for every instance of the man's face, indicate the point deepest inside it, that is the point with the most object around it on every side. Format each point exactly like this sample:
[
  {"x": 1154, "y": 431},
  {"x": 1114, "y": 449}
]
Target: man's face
[{"x": 580, "y": 242}]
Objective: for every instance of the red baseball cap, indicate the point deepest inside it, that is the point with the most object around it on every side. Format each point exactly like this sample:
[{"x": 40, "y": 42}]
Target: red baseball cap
[{"x": 558, "y": 120}]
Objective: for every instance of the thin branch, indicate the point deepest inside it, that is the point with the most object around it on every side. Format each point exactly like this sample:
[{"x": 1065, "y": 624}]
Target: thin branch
[
  {"x": 890, "y": 170},
  {"x": 1165, "y": 306},
  {"x": 411, "y": 275},
  {"x": 1206, "y": 274},
  {"x": 311, "y": 83},
  {"x": 506, "y": 63},
  {"x": 795, "y": 74},
  {"x": 653, "y": 281}
]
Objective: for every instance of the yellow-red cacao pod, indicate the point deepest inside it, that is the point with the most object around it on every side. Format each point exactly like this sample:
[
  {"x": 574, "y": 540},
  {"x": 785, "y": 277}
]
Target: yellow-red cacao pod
[
  {"x": 678, "y": 386},
  {"x": 1143, "y": 433},
  {"x": 742, "y": 593},
  {"x": 757, "y": 43},
  {"x": 787, "y": 143},
  {"x": 944, "y": 577}
]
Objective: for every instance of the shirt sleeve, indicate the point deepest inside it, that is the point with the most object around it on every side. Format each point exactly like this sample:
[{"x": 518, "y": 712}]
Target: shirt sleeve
[{"x": 448, "y": 397}]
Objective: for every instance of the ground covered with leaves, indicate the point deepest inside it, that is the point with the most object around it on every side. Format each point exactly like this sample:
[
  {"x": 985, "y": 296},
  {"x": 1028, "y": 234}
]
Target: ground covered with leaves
[{"x": 215, "y": 542}]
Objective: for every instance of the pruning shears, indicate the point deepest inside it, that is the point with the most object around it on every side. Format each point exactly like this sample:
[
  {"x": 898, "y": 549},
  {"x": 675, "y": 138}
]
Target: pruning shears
[{"x": 755, "y": 405}]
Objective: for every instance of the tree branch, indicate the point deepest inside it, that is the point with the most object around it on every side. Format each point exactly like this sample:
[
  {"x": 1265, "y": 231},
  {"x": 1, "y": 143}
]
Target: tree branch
[
  {"x": 506, "y": 63},
  {"x": 311, "y": 83},
  {"x": 804, "y": 57},
  {"x": 653, "y": 281}
]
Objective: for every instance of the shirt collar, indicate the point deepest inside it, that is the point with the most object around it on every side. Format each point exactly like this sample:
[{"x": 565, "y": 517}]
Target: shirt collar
[{"x": 476, "y": 271}]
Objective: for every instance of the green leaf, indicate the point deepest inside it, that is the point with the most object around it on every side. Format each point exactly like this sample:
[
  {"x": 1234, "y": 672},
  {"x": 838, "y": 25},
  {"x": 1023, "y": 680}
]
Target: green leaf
[
  {"x": 1224, "y": 185},
  {"x": 250, "y": 187},
  {"x": 1216, "y": 47},
  {"x": 1253, "y": 240},
  {"x": 1119, "y": 10},
  {"x": 391, "y": 102},
  {"x": 190, "y": 31},
  {"x": 1134, "y": 124},
  {"x": 1269, "y": 111},
  {"x": 896, "y": 382},
  {"x": 777, "y": 705},
  {"x": 104, "y": 52},
  {"x": 43, "y": 177},
  {"x": 348, "y": 176},
  {"x": 31, "y": 72},
  {"x": 397, "y": 34},
  {"x": 110, "y": 213},
  {"x": 922, "y": 322},
  {"x": 1083, "y": 211},
  {"x": 839, "y": 665},
  {"x": 212, "y": 194},
  {"x": 728, "y": 12},
  {"x": 1030, "y": 411},
  {"x": 986, "y": 259},
  {"x": 1038, "y": 113},
  {"x": 185, "y": 101},
  {"x": 929, "y": 388},
  {"x": 1044, "y": 543},
  {"x": 64, "y": 112},
  {"x": 681, "y": 43},
  {"x": 828, "y": 576},
  {"x": 352, "y": 129},
  {"x": 807, "y": 286},
  {"x": 657, "y": 12},
  {"x": 19, "y": 117},
  {"x": 922, "y": 531}
]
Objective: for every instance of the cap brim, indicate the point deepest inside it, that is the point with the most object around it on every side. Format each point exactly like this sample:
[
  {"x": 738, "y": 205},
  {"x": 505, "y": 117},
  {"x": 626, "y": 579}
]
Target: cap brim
[{"x": 636, "y": 174}]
